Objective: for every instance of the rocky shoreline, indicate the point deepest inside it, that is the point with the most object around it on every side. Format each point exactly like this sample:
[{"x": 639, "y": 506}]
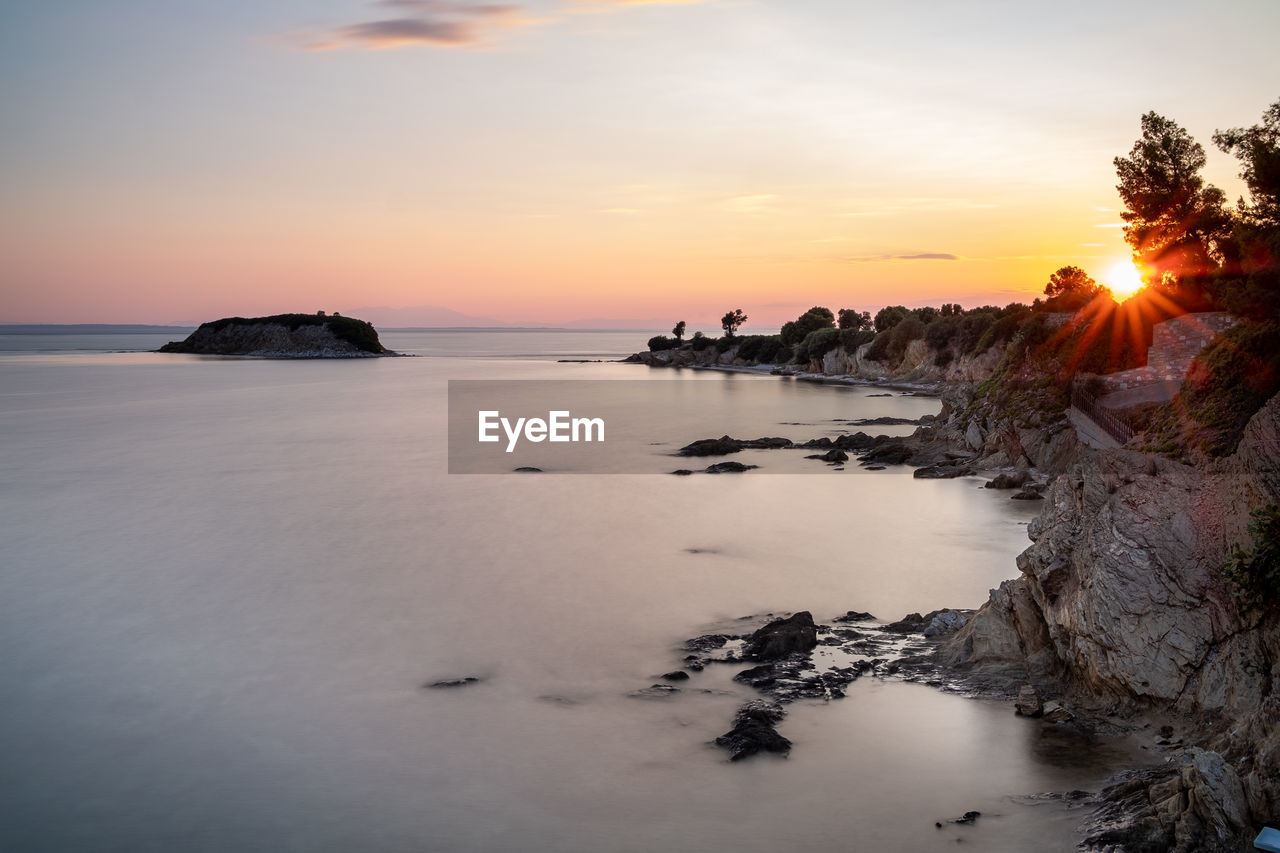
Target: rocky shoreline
[
  {"x": 285, "y": 336},
  {"x": 1120, "y": 620}
]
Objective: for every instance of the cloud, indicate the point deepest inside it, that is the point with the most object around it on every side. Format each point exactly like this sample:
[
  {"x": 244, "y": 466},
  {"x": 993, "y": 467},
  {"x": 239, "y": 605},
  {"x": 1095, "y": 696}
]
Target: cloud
[
  {"x": 918, "y": 256},
  {"x": 436, "y": 23}
]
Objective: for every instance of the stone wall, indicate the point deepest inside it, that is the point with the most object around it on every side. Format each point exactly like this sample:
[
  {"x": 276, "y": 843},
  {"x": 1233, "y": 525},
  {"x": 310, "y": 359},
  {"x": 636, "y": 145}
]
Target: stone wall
[{"x": 1174, "y": 345}]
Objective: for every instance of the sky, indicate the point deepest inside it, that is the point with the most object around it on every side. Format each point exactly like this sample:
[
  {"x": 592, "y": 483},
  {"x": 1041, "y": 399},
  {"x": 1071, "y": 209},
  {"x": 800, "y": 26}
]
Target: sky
[{"x": 551, "y": 161}]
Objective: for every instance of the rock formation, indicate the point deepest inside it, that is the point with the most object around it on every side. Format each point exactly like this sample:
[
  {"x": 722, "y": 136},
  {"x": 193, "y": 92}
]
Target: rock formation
[{"x": 283, "y": 336}]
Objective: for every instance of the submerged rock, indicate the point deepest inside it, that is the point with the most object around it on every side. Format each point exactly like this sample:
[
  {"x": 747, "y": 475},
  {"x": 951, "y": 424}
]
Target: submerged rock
[
  {"x": 729, "y": 468},
  {"x": 753, "y": 731},
  {"x": 454, "y": 682}
]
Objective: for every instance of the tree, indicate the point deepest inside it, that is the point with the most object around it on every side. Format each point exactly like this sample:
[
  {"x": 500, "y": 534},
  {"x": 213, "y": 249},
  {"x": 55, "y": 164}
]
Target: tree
[
  {"x": 890, "y": 316},
  {"x": 1258, "y": 150},
  {"x": 851, "y": 319},
  {"x": 1070, "y": 280},
  {"x": 732, "y": 321},
  {"x": 678, "y": 331},
  {"x": 817, "y": 317},
  {"x": 951, "y": 309},
  {"x": 1174, "y": 221}
]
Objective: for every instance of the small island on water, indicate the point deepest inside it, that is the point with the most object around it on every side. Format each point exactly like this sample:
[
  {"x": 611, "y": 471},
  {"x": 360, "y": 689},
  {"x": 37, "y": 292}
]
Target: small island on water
[{"x": 318, "y": 335}]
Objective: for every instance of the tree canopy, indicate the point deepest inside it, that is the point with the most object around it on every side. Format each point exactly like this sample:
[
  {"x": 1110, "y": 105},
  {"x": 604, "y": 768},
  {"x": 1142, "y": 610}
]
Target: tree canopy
[
  {"x": 1174, "y": 220},
  {"x": 732, "y": 321}
]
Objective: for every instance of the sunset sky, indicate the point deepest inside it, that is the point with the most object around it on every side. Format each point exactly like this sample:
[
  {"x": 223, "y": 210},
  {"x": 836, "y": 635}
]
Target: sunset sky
[{"x": 543, "y": 161}]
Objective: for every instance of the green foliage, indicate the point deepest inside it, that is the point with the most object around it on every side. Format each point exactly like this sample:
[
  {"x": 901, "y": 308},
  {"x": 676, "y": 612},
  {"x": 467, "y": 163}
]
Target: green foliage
[
  {"x": 358, "y": 333},
  {"x": 890, "y": 316},
  {"x": 1255, "y": 574},
  {"x": 817, "y": 343},
  {"x": 724, "y": 344},
  {"x": 1229, "y": 381},
  {"x": 762, "y": 349},
  {"x": 854, "y": 320},
  {"x": 926, "y": 315},
  {"x": 1258, "y": 150},
  {"x": 699, "y": 342},
  {"x": 1174, "y": 220},
  {"x": 851, "y": 339},
  {"x": 971, "y": 328},
  {"x": 815, "y": 318},
  {"x": 661, "y": 342},
  {"x": 939, "y": 334}
]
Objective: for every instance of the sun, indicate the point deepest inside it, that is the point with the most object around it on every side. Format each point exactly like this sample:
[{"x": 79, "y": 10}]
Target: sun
[{"x": 1123, "y": 280}]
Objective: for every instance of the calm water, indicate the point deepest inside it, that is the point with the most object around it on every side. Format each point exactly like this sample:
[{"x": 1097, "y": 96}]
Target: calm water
[{"x": 224, "y": 582}]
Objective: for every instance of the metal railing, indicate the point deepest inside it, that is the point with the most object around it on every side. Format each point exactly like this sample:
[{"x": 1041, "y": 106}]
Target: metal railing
[{"x": 1113, "y": 424}]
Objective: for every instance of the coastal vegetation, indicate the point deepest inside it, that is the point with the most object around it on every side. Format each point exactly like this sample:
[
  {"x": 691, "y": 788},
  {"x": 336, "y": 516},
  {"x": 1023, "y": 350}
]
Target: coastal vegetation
[{"x": 1195, "y": 252}]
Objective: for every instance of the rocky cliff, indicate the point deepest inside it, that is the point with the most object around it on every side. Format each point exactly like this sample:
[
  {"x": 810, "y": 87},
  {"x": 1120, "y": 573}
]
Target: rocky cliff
[
  {"x": 283, "y": 336},
  {"x": 1122, "y": 605}
]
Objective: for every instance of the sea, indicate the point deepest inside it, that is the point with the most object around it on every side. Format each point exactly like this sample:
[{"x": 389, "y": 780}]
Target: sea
[{"x": 227, "y": 584}]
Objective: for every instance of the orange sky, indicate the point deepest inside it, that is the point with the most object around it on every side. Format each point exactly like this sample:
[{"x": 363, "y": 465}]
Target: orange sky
[{"x": 546, "y": 162}]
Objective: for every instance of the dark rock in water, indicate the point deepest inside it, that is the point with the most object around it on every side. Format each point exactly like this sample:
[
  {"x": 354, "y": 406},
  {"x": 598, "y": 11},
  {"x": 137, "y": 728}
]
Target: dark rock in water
[
  {"x": 781, "y": 637},
  {"x": 884, "y": 421},
  {"x": 706, "y": 642},
  {"x": 875, "y": 468},
  {"x": 1029, "y": 703},
  {"x": 656, "y": 691},
  {"x": 1030, "y": 492},
  {"x": 968, "y": 818},
  {"x": 753, "y": 731},
  {"x": 854, "y": 616},
  {"x": 729, "y": 468},
  {"x": 725, "y": 445},
  {"x": 454, "y": 682},
  {"x": 890, "y": 453},
  {"x": 857, "y": 441},
  {"x": 677, "y": 675},
  {"x": 682, "y": 472},
  {"x": 527, "y": 469},
  {"x": 711, "y": 447},
  {"x": 834, "y": 455},
  {"x": 1016, "y": 480},
  {"x": 941, "y": 472},
  {"x": 760, "y": 677}
]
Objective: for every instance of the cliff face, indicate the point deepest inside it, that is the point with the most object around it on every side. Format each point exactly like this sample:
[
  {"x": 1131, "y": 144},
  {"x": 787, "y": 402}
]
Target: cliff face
[
  {"x": 1122, "y": 604},
  {"x": 283, "y": 336}
]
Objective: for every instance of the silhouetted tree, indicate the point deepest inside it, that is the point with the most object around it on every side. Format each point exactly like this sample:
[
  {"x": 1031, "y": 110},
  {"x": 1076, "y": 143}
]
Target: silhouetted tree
[
  {"x": 856, "y": 320},
  {"x": 1174, "y": 220},
  {"x": 890, "y": 316},
  {"x": 817, "y": 317},
  {"x": 678, "y": 331},
  {"x": 1258, "y": 150},
  {"x": 732, "y": 321},
  {"x": 1069, "y": 280}
]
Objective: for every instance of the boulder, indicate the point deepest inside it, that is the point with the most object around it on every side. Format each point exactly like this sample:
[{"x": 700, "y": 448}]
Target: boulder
[
  {"x": 1016, "y": 480},
  {"x": 753, "y": 731},
  {"x": 781, "y": 637},
  {"x": 1029, "y": 703},
  {"x": 729, "y": 468}
]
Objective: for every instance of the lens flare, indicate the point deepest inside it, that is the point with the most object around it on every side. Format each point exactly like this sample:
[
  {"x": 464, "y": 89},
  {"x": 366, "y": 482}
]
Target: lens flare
[{"x": 1123, "y": 280}]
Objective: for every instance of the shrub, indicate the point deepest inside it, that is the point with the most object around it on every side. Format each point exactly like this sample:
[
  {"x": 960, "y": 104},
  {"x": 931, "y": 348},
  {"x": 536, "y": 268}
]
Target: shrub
[
  {"x": 903, "y": 334},
  {"x": 699, "y": 342},
  {"x": 661, "y": 342},
  {"x": 851, "y": 339},
  {"x": 1255, "y": 574},
  {"x": 817, "y": 344}
]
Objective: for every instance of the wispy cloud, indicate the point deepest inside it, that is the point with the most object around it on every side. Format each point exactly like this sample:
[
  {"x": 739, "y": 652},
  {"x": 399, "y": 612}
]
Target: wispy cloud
[
  {"x": 451, "y": 23},
  {"x": 925, "y": 204},
  {"x": 434, "y": 23},
  {"x": 917, "y": 256}
]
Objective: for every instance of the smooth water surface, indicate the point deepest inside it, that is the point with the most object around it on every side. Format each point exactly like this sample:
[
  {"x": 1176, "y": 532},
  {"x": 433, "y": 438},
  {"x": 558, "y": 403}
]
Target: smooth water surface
[{"x": 226, "y": 581}]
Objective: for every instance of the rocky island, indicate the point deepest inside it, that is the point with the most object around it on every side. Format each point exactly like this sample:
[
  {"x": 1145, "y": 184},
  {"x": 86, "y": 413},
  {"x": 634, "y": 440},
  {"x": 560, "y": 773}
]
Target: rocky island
[{"x": 317, "y": 335}]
